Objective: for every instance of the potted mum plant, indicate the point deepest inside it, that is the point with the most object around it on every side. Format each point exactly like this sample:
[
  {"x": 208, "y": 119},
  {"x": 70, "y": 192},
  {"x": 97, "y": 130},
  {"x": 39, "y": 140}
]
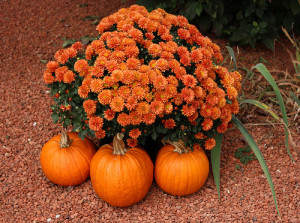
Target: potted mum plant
[{"x": 148, "y": 74}]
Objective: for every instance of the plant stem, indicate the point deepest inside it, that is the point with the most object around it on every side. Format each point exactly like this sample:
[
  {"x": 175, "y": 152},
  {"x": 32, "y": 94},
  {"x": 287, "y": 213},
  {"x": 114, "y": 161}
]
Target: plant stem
[
  {"x": 119, "y": 147},
  {"x": 65, "y": 140}
]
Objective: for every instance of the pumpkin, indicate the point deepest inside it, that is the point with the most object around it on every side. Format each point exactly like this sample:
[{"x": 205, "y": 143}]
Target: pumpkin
[
  {"x": 179, "y": 171},
  {"x": 65, "y": 159},
  {"x": 121, "y": 176}
]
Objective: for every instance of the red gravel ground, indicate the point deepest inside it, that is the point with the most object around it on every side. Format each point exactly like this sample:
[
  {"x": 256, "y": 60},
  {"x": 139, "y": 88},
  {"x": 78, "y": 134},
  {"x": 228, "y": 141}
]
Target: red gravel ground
[{"x": 32, "y": 31}]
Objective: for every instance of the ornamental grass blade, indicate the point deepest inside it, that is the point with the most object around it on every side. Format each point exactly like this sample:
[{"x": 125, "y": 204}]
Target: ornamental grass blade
[
  {"x": 262, "y": 106},
  {"x": 264, "y": 71},
  {"x": 231, "y": 53},
  {"x": 215, "y": 162},
  {"x": 259, "y": 156},
  {"x": 295, "y": 98}
]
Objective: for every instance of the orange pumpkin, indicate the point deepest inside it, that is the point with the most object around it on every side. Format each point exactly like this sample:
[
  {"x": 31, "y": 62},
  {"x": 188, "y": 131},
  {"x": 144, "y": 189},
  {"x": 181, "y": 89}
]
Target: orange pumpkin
[
  {"x": 65, "y": 159},
  {"x": 119, "y": 176},
  {"x": 179, "y": 171}
]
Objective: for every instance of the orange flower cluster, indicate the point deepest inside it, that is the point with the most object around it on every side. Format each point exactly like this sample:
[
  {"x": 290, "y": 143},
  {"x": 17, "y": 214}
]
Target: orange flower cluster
[{"x": 151, "y": 68}]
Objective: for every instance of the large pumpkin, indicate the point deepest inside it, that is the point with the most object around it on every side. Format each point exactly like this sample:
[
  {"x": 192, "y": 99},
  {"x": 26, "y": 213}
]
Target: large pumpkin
[
  {"x": 65, "y": 159},
  {"x": 179, "y": 171},
  {"x": 119, "y": 176}
]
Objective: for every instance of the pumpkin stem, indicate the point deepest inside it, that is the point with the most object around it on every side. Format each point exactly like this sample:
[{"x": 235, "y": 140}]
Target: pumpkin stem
[
  {"x": 65, "y": 140},
  {"x": 119, "y": 147},
  {"x": 179, "y": 146}
]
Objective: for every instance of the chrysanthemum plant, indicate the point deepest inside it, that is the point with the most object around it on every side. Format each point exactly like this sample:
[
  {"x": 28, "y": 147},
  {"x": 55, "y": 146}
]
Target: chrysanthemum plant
[{"x": 147, "y": 74}]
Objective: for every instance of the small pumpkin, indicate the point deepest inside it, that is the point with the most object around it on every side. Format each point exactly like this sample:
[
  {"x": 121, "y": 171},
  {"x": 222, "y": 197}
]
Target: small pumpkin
[
  {"x": 65, "y": 159},
  {"x": 179, "y": 171},
  {"x": 121, "y": 176}
]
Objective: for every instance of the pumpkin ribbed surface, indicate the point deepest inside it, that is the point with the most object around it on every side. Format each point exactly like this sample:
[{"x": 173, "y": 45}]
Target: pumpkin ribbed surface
[
  {"x": 121, "y": 180},
  {"x": 181, "y": 174},
  {"x": 67, "y": 166}
]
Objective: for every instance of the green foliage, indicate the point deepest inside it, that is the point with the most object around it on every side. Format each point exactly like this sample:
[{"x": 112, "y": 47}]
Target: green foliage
[
  {"x": 244, "y": 154},
  {"x": 243, "y": 22}
]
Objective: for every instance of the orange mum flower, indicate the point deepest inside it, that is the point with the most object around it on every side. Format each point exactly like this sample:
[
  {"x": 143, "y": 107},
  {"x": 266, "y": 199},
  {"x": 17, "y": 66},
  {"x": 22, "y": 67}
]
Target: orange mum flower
[
  {"x": 135, "y": 118},
  {"x": 117, "y": 55},
  {"x": 157, "y": 107},
  {"x": 77, "y": 45},
  {"x": 222, "y": 128},
  {"x": 131, "y": 142},
  {"x": 117, "y": 75},
  {"x": 133, "y": 64},
  {"x": 162, "y": 64},
  {"x": 212, "y": 99},
  {"x": 96, "y": 123},
  {"x": 143, "y": 108},
  {"x": 131, "y": 51},
  {"x": 215, "y": 113},
  {"x": 134, "y": 133},
  {"x": 83, "y": 91},
  {"x": 232, "y": 93},
  {"x": 155, "y": 50},
  {"x": 117, "y": 104},
  {"x": 123, "y": 119},
  {"x": 159, "y": 82},
  {"x": 200, "y": 135},
  {"x": 59, "y": 73},
  {"x": 149, "y": 36},
  {"x": 183, "y": 33},
  {"x": 182, "y": 51},
  {"x": 207, "y": 124},
  {"x": 109, "y": 114},
  {"x": 100, "y": 134},
  {"x": 138, "y": 92},
  {"x": 111, "y": 65},
  {"x": 234, "y": 107},
  {"x": 96, "y": 85},
  {"x": 188, "y": 110},
  {"x": 189, "y": 80},
  {"x": 185, "y": 60},
  {"x": 187, "y": 94},
  {"x": 173, "y": 64},
  {"x": 149, "y": 118},
  {"x": 179, "y": 72},
  {"x": 97, "y": 71},
  {"x": 201, "y": 73},
  {"x": 206, "y": 110},
  {"x": 81, "y": 66},
  {"x": 170, "y": 123},
  {"x": 113, "y": 42},
  {"x": 52, "y": 66},
  {"x": 131, "y": 103},
  {"x": 168, "y": 108},
  {"x": 210, "y": 143},
  {"x": 196, "y": 55},
  {"x": 89, "y": 106},
  {"x": 105, "y": 97},
  {"x": 48, "y": 78},
  {"x": 69, "y": 77},
  {"x": 135, "y": 34}
]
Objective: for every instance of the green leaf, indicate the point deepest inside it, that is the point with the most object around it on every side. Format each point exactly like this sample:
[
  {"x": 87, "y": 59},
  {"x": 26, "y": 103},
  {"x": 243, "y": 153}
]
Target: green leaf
[
  {"x": 90, "y": 18},
  {"x": 268, "y": 43},
  {"x": 68, "y": 42},
  {"x": 295, "y": 98},
  {"x": 259, "y": 156},
  {"x": 199, "y": 8},
  {"x": 295, "y": 7},
  {"x": 55, "y": 117},
  {"x": 231, "y": 53},
  {"x": 215, "y": 162},
  {"x": 264, "y": 71},
  {"x": 86, "y": 39},
  {"x": 43, "y": 61},
  {"x": 262, "y": 106}
]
